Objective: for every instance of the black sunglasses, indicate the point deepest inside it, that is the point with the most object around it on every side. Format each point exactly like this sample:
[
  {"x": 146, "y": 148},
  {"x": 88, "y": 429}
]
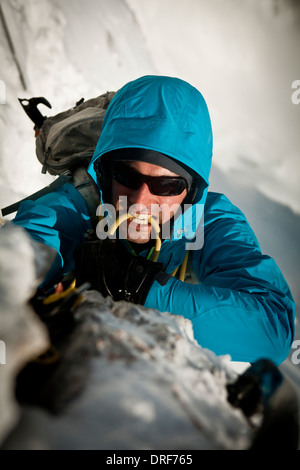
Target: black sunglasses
[{"x": 158, "y": 185}]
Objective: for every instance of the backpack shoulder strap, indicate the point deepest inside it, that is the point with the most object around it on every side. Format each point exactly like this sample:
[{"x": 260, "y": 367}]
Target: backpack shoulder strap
[
  {"x": 60, "y": 181},
  {"x": 82, "y": 181},
  {"x": 88, "y": 189}
]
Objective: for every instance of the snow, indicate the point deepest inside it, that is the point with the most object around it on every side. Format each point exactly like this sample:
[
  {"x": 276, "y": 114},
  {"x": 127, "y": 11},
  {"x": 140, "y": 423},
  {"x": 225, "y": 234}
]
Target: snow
[{"x": 243, "y": 55}]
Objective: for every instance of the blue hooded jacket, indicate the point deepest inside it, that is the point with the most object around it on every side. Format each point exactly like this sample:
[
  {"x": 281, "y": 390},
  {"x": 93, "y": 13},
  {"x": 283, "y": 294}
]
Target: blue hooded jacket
[{"x": 240, "y": 303}]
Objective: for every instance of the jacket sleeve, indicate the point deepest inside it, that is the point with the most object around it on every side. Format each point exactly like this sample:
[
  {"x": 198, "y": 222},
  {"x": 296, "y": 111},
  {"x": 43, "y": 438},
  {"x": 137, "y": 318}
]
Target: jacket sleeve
[
  {"x": 242, "y": 305},
  {"x": 59, "y": 219}
]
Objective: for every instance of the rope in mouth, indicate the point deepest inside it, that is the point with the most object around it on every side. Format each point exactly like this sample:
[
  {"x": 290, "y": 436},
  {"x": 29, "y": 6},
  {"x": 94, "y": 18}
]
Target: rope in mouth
[
  {"x": 156, "y": 227},
  {"x": 151, "y": 220}
]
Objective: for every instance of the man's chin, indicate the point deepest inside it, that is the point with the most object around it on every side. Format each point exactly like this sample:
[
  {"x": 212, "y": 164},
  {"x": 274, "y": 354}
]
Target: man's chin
[
  {"x": 139, "y": 236},
  {"x": 134, "y": 233},
  {"x": 138, "y": 241}
]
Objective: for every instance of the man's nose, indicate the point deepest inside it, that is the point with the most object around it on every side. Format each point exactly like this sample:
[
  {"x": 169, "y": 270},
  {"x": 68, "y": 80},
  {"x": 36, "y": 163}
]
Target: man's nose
[{"x": 142, "y": 196}]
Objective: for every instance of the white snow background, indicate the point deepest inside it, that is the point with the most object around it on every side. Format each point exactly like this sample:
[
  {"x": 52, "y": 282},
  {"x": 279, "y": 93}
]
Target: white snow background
[{"x": 243, "y": 55}]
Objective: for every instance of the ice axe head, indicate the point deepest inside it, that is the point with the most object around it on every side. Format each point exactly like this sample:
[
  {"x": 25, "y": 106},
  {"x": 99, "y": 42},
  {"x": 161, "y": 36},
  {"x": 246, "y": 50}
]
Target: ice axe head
[{"x": 31, "y": 109}]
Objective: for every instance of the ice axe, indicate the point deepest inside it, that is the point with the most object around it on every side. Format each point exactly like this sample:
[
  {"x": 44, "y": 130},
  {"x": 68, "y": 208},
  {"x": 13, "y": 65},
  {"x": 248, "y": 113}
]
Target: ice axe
[{"x": 31, "y": 109}]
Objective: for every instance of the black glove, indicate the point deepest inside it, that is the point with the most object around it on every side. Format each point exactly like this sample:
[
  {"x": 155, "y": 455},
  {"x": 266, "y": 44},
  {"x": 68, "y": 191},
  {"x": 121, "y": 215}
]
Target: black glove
[{"x": 111, "y": 269}]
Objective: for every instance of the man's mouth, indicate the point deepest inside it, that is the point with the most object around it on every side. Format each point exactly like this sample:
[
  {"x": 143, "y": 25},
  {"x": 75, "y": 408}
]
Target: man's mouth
[
  {"x": 140, "y": 219},
  {"x": 140, "y": 226}
]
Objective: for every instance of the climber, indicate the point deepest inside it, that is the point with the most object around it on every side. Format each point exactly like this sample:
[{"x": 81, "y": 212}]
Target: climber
[{"x": 154, "y": 157}]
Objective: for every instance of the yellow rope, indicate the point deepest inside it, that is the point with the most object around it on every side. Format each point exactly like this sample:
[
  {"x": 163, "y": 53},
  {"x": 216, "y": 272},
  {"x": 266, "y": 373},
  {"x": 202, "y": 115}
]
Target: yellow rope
[
  {"x": 154, "y": 224},
  {"x": 59, "y": 295},
  {"x": 183, "y": 267},
  {"x": 156, "y": 227}
]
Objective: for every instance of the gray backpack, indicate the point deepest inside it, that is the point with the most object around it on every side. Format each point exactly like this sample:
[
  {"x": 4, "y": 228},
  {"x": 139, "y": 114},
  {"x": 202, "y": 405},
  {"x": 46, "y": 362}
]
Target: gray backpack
[
  {"x": 68, "y": 140},
  {"x": 65, "y": 144}
]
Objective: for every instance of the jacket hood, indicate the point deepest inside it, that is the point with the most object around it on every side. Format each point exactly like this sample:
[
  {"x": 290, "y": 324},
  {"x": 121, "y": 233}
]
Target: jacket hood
[{"x": 164, "y": 114}]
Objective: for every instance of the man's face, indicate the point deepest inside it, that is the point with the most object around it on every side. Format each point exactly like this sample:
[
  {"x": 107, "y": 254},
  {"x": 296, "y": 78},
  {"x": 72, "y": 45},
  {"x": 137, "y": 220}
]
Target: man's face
[{"x": 141, "y": 203}]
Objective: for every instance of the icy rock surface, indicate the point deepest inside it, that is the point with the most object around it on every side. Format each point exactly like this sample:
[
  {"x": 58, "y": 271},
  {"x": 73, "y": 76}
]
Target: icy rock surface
[
  {"x": 152, "y": 386},
  {"x": 22, "y": 334},
  {"x": 127, "y": 377},
  {"x": 133, "y": 378}
]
